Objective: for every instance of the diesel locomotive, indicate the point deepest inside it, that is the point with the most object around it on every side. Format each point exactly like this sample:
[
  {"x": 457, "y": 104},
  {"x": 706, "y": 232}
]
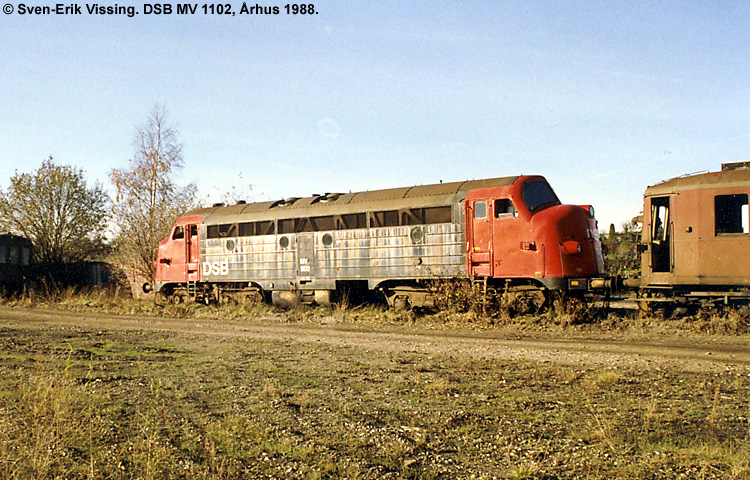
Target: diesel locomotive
[{"x": 509, "y": 233}]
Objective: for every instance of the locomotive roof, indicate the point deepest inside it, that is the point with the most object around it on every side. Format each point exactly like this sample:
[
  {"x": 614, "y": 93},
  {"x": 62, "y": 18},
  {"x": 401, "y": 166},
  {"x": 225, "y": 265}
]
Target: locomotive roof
[
  {"x": 341, "y": 203},
  {"x": 723, "y": 179}
]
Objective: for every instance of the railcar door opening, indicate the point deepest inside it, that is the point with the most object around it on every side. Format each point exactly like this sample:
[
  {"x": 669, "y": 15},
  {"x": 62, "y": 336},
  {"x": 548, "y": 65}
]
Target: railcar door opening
[{"x": 661, "y": 235}]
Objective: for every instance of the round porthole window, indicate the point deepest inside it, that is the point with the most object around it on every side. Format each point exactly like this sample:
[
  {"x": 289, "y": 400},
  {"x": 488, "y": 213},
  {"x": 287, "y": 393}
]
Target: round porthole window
[
  {"x": 230, "y": 245},
  {"x": 327, "y": 240},
  {"x": 417, "y": 235},
  {"x": 284, "y": 242}
]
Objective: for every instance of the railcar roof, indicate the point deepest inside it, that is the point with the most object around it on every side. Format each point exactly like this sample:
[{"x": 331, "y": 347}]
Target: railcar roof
[
  {"x": 340, "y": 203},
  {"x": 723, "y": 179},
  {"x": 10, "y": 239}
]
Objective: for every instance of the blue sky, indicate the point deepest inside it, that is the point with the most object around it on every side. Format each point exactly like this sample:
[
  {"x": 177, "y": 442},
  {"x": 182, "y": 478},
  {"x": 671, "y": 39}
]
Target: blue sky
[{"x": 602, "y": 98}]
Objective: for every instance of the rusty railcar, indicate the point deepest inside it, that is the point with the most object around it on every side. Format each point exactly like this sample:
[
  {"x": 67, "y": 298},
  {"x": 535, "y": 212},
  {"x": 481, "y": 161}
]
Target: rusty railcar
[
  {"x": 15, "y": 261},
  {"x": 696, "y": 240},
  {"x": 393, "y": 241}
]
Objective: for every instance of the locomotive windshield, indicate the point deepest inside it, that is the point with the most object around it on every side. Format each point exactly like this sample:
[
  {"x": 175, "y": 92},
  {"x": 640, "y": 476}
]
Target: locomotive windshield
[{"x": 537, "y": 195}]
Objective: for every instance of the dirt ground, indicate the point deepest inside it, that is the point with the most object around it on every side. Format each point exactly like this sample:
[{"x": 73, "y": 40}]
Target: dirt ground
[
  {"x": 693, "y": 353},
  {"x": 88, "y": 395}
]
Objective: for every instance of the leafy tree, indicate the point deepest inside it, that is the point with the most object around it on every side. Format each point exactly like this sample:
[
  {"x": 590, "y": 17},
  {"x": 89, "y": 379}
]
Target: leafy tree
[
  {"x": 53, "y": 207},
  {"x": 148, "y": 200},
  {"x": 622, "y": 257}
]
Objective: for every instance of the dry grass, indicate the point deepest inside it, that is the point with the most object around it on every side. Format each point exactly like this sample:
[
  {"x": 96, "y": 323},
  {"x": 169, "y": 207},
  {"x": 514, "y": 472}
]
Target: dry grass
[
  {"x": 125, "y": 405},
  {"x": 460, "y": 304}
]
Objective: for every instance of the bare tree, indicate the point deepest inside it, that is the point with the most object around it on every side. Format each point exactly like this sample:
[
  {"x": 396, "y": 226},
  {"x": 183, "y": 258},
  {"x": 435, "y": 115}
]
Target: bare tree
[
  {"x": 148, "y": 201},
  {"x": 64, "y": 219}
]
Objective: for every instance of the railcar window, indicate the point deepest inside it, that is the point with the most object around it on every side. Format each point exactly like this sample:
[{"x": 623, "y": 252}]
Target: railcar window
[
  {"x": 504, "y": 207},
  {"x": 327, "y": 240},
  {"x": 351, "y": 221},
  {"x": 224, "y": 230},
  {"x": 426, "y": 216},
  {"x": 228, "y": 230},
  {"x": 480, "y": 209},
  {"x": 661, "y": 233},
  {"x": 660, "y": 220},
  {"x": 267, "y": 227},
  {"x": 731, "y": 213},
  {"x": 248, "y": 229},
  {"x": 13, "y": 256},
  {"x": 3, "y": 255},
  {"x": 388, "y": 218},
  {"x": 537, "y": 195},
  {"x": 412, "y": 216},
  {"x": 437, "y": 215},
  {"x": 25, "y": 256},
  {"x": 286, "y": 225},
  {"x": 303, "y": 225},
  {"x": 179, "y": 232},
  {"x": 323, "y": 223}
]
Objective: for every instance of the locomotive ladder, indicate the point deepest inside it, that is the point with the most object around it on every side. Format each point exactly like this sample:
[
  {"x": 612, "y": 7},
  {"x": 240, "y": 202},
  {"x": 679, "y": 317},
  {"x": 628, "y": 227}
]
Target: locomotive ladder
[{"x": 192, "y": 290}]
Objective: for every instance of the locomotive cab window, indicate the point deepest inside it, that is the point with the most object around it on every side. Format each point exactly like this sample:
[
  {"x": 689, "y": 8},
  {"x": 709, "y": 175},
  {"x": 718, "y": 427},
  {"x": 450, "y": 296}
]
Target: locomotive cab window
[
  {"x": 731, "y": 214},
  {"x": 480, "y": 209},
  {"x": 504, "y": 208},
  {"x": 537, "y": 195},
  {"x": 179, "y": 233}
]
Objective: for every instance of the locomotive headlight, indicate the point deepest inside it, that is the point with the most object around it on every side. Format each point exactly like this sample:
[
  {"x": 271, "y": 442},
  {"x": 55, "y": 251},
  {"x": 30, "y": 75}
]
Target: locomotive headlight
[
  {"x": 571, "y": 247},
  {"x": 589, "y": 209}
]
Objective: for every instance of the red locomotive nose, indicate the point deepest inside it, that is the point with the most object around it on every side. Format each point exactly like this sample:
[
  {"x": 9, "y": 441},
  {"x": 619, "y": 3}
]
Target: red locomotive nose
[{"x": 571, "y": 247}]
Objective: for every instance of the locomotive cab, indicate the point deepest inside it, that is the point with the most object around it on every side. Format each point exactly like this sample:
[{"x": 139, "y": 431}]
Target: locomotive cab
[
  {"x": 178, "y": 258},
  {"x": 523, "y": 235}
]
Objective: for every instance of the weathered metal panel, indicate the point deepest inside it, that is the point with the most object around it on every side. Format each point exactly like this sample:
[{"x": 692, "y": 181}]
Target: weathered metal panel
[
  {"x": 359, "y": 254},
  {"x": 252, "y": 259}
]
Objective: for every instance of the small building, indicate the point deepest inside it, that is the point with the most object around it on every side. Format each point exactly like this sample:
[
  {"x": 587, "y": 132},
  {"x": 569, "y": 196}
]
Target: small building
[{"x": 15, "y": 261}]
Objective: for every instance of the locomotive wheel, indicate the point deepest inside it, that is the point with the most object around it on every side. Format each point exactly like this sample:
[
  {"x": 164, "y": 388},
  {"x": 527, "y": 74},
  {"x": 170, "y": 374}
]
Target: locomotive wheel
[
  {"x": 401, "y": 303},
  {"x": 177, "y": 297},
  {"x": 524, "y": 301}
]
